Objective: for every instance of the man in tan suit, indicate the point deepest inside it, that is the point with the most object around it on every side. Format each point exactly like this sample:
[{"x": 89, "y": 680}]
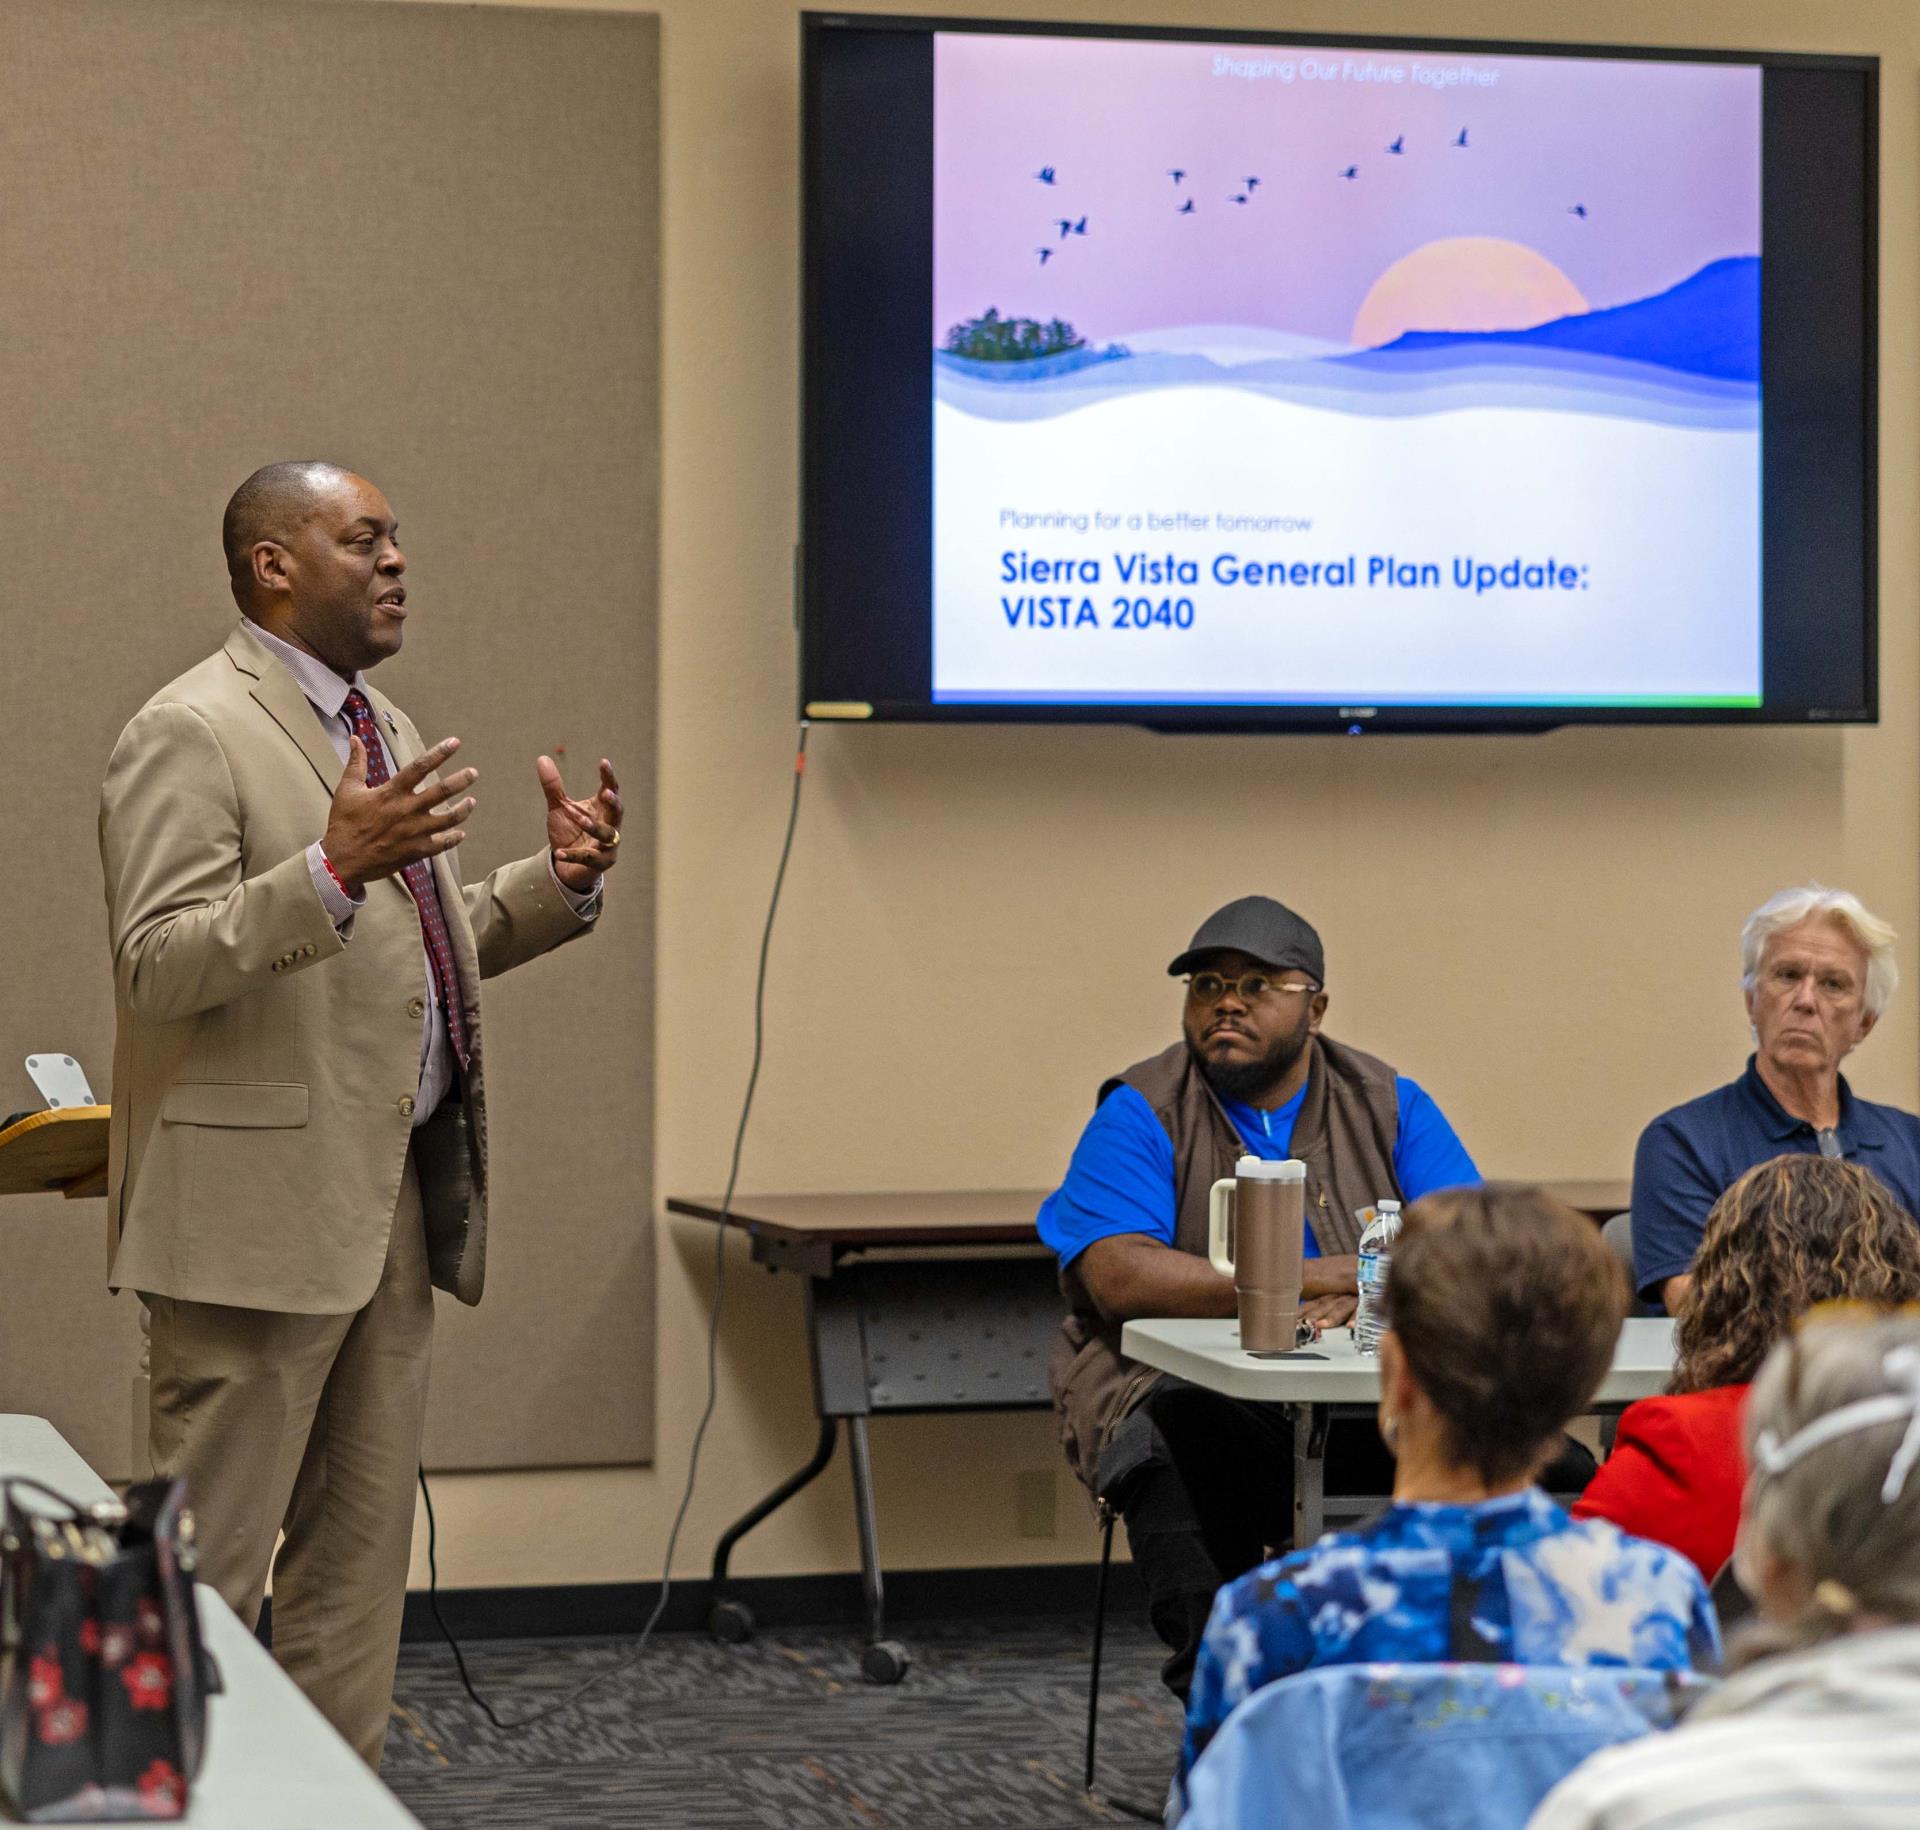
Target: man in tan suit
[{"x": 299, "y": 1134}]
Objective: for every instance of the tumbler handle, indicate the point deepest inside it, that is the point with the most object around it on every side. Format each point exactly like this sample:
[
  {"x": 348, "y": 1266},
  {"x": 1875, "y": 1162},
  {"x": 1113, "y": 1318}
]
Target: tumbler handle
[{"x": 1220, "y": 1210}]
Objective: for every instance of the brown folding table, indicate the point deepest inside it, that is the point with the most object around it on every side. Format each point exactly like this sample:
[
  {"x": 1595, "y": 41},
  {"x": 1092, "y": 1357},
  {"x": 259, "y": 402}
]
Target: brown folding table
[{"x": 915, "y": 1302}]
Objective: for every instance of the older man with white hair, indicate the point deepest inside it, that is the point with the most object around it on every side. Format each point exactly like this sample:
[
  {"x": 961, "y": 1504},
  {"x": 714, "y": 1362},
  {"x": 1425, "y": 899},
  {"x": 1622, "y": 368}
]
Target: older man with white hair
[{"x": 1817, "y": 971}]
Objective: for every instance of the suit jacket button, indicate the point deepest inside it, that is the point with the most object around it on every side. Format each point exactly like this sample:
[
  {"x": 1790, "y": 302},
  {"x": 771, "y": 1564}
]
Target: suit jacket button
[
  {"x": 416, "y": 1008},
  {"x": 406, "y": 1105}
]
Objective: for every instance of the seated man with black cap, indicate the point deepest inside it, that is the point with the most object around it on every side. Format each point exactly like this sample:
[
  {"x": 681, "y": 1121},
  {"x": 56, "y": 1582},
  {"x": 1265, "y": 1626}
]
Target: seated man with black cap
[{"x": 1203, "y": 1481}]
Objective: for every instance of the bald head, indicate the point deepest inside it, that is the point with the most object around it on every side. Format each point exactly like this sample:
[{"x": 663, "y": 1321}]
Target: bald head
[
  {"x": 313, "y": 554},
  {"x": 272, "y": 504}
]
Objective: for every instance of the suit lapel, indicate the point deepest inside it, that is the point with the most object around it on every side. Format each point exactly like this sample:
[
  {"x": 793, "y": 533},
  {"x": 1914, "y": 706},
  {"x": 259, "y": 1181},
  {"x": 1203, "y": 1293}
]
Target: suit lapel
[{"x": 278, "y": 694}]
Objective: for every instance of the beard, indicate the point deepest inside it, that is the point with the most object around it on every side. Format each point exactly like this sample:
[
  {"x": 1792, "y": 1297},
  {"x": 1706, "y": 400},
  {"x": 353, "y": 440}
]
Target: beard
[{"x": 1244, "y": 1081}]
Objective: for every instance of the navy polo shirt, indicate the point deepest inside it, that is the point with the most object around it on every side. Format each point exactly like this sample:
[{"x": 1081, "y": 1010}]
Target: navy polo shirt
[{"x": 1690, "y": 1156}]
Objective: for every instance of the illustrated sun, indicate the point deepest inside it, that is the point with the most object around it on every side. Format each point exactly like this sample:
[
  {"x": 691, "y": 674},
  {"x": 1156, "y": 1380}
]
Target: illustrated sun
[{"x": 1465, "y": 282}]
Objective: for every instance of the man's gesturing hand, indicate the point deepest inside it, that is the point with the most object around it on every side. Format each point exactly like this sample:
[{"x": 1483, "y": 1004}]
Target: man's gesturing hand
[
  {"x": 584, "y": 836},
  {"x": 377, "y": 831}
]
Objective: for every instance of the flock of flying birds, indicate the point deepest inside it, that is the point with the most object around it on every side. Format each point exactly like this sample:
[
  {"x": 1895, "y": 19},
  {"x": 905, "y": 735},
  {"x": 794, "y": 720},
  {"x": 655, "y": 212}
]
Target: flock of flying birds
[{"x": 1077, "y": 225}]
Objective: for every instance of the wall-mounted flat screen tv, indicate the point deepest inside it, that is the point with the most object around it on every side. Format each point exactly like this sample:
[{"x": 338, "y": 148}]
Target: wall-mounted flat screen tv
[{"x": 1215, "y": 380}]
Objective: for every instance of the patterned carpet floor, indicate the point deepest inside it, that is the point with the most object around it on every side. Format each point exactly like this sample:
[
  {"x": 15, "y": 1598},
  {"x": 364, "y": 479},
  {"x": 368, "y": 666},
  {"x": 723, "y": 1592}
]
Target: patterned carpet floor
[{"x": 985, "y": 1730}]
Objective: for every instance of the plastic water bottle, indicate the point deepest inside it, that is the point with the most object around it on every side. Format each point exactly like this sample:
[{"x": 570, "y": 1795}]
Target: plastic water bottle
[{"x": 1376, "y": 1254}]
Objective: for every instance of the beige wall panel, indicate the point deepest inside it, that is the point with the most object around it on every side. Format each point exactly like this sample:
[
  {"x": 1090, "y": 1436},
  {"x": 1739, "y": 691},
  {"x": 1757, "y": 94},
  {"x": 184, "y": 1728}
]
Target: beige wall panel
[{"x": 423, "y": 243}]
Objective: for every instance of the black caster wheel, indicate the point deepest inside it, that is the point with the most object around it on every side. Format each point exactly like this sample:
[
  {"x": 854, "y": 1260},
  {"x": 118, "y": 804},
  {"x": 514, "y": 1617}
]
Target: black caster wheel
[
  {"x": 885, "y": 1662},
  {"x": 731, "y": 1622}
]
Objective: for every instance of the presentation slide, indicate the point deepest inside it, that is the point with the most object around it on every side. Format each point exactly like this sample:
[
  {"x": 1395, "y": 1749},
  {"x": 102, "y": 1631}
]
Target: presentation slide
[{"x": 1267, "y": 375}]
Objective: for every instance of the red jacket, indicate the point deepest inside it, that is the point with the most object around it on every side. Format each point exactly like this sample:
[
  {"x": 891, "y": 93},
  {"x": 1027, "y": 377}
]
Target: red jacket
[{"x": 1676, "y": 1474}]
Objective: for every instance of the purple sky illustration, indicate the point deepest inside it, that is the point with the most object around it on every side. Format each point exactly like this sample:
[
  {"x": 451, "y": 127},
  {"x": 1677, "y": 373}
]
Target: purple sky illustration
[{"x": 1664, "y": 158}]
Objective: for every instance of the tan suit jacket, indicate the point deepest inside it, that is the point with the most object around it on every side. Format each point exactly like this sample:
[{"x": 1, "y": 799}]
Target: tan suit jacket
[{"x": 264, "y": 1068}]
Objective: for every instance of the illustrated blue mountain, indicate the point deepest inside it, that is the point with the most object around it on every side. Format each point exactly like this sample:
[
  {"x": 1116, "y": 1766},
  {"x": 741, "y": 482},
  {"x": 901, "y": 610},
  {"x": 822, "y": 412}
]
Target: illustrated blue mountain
[{"x": 1707, "y": 325}]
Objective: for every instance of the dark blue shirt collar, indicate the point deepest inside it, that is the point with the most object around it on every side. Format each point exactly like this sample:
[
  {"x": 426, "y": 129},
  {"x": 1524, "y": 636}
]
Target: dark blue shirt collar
[{"x": 1781, "y": 1124}]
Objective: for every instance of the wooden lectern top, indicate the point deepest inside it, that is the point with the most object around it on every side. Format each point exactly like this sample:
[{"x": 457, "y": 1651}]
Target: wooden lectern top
[{"x": 64, "y": 1150}]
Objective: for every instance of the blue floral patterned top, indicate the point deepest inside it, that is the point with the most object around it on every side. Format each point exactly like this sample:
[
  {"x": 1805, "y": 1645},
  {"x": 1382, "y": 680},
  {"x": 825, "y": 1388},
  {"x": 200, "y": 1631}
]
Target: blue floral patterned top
[{"x": 1511, "y": 1579}]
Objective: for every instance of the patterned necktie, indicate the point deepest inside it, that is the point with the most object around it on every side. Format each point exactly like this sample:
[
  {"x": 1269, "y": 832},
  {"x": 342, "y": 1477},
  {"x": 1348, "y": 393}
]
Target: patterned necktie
[{"x": 420, "y": 886}]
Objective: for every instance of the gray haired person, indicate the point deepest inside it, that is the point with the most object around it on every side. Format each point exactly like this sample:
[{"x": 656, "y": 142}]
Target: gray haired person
[
  {"x": 1817, "y": 973},
  {"x": 1821, "y": 1722}
]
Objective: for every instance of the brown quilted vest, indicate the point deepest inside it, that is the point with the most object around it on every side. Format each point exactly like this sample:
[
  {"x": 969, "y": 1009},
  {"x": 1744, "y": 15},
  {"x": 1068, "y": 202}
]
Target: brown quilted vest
[{"x": 1344, "y": 1134}]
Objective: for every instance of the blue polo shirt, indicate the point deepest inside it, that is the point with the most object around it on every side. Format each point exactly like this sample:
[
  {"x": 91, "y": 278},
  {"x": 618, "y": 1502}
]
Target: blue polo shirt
[
  {"x": 1121, "y": 1176},
  {"x": 1690, "y": 1156}
]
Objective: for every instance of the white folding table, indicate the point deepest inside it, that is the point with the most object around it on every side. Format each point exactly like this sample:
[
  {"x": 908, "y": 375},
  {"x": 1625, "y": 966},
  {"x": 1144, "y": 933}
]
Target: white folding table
[
  {"x": 1332, "y": 1375},
  {"x": 273, "y": 1761}
]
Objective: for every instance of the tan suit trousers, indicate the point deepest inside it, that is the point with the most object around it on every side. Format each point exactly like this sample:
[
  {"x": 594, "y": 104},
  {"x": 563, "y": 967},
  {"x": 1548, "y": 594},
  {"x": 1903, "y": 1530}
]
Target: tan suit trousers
[{"x": 309, "y": 1424}]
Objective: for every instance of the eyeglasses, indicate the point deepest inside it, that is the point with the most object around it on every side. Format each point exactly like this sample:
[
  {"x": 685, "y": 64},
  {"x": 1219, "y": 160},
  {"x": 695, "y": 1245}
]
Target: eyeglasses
[{"x": 1210, "y": 987}]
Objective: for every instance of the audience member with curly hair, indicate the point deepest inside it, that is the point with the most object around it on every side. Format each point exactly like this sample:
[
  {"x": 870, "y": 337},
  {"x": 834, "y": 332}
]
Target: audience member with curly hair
[{"x": 1789, "y": 1235}]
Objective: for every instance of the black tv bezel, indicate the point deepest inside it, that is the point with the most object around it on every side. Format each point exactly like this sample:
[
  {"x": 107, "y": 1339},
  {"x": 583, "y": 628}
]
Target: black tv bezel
[{"x": 1318, "y": 719}]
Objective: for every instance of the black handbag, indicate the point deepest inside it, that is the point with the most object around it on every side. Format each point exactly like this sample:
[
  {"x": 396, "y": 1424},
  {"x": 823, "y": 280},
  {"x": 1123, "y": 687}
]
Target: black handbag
[{"x": 103, "y": 1677}]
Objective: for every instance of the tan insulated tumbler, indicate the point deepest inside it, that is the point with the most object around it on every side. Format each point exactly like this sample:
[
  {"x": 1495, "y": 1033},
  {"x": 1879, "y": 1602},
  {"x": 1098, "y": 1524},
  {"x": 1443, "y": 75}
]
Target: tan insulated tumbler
[{"x": 1257, "y": 1236}]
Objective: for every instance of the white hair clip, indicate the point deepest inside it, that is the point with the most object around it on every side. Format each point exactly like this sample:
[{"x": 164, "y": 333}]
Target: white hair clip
[{"x": 1902, "y": 1366}]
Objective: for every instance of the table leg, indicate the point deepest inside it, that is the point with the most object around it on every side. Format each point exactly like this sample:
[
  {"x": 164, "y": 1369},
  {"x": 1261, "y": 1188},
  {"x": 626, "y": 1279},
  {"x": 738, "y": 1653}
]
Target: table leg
[
  {"x": 885, "y": 1660},
  {"x": 869, "y": 1524},
  {"x": 1309, "y": 1473},
  {"x": 733, "y": 1620},
  {"x": 822, "y": 1454}
]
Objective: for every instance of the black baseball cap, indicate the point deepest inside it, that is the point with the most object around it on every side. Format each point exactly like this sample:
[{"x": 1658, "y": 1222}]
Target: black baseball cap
[{"x": 1267, "y": 930}]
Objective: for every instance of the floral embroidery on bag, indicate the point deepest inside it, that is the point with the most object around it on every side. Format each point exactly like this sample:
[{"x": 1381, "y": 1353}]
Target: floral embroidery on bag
[
  {"x": 146, "y": 1614},
  {"x": 65, "y": 1721},
  {"x": 90, "y": 1637},
  {"x": 116, "y": 1644},
  {"x": 149, "y": 1680},
  {"x": 46, "y": 1684},
  {"x": 161, "y": 1784}
]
